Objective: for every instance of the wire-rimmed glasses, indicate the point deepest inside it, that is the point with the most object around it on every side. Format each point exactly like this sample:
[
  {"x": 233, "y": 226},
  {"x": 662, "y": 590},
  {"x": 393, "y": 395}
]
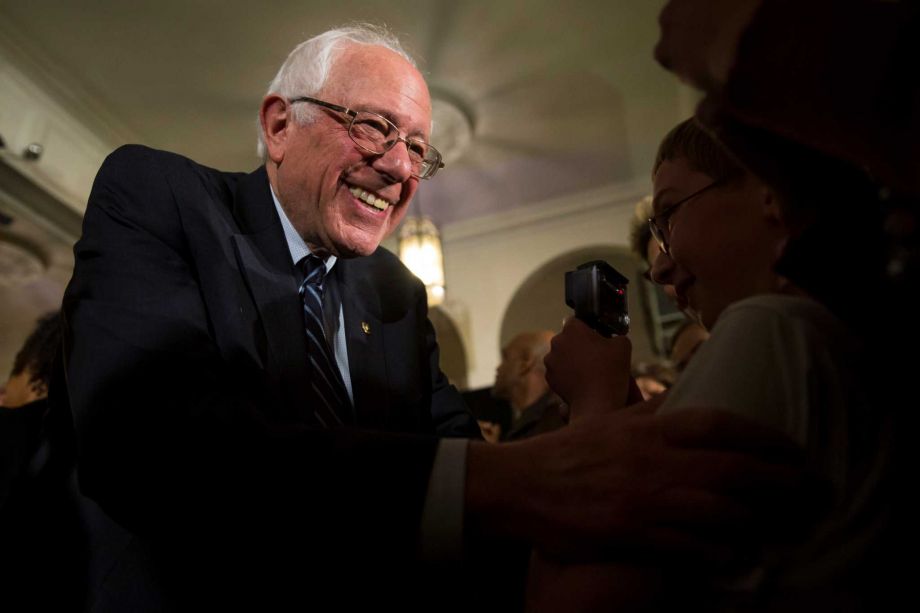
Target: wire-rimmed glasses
[
  {"x": 376, "y": 134},
  {"x": 660, "y": 224}
]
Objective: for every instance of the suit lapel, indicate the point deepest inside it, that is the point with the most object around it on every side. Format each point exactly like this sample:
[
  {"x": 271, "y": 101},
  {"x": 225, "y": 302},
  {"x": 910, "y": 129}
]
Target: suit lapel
[
  {"x": 365, "y": 341},
  {"x": 265, "y": 264}
]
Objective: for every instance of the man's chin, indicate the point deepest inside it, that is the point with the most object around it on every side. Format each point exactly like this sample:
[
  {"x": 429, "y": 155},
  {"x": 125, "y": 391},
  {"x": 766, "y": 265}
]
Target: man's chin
[{"x": 355, "y": 250}]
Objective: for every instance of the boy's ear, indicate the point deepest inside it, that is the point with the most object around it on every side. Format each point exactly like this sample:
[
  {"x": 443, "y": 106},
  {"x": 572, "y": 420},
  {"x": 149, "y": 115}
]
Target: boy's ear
[
  {"x": 777, "y": 221},
  {"x": 772, "y": 211}
]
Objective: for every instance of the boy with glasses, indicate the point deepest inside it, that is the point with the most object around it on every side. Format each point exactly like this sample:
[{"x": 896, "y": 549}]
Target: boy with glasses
[{"x": 776, "y": 355}]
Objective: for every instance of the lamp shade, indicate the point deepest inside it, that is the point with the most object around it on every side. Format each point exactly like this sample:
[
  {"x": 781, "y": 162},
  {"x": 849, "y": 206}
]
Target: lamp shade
[{"x": 420, "y": 251}]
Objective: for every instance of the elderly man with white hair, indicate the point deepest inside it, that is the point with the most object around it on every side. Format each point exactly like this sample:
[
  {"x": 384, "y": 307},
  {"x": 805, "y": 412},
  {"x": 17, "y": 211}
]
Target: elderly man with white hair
[{"x": 261, "y": 419}]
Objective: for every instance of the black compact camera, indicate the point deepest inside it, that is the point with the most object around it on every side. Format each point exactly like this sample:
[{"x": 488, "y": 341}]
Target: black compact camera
[{"x": 597, "y": 292}]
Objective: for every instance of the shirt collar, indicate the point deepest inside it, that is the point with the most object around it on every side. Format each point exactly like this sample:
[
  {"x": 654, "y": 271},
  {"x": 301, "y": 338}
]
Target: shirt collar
[{"x": 295, "y": 242}]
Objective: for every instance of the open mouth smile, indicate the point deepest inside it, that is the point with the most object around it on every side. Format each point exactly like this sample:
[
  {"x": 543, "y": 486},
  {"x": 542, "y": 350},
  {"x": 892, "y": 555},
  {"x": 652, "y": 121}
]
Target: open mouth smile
[{"x": 369, "y": 198}]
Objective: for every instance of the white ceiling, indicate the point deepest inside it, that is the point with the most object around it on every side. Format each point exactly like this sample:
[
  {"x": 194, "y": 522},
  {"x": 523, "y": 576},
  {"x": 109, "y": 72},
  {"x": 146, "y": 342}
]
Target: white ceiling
[{"x": 564, "y": 96}]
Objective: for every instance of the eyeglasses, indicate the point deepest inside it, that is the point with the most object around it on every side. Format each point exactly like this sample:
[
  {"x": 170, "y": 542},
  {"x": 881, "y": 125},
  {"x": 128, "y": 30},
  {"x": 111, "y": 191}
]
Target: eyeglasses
[
  {"x": 660, "y": 224},
  {"x": 376, "y": 134}
]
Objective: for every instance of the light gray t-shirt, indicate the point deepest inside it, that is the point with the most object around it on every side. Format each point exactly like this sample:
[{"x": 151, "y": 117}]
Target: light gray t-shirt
[{"x": 788, "y": 363}]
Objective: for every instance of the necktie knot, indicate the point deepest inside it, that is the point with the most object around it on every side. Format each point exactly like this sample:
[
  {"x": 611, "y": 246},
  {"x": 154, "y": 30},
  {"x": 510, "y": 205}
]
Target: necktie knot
[{"x": 314, "y": 271}]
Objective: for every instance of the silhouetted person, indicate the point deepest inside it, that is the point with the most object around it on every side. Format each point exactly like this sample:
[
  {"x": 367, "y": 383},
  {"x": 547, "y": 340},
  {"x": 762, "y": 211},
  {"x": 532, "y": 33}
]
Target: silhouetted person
[{"x": 42, "y": 543}]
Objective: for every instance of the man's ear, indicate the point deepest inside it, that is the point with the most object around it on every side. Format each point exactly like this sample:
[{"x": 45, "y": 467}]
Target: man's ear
[
  {"x": 526, "y": 364},
  {"x": 276, "y": 121}
]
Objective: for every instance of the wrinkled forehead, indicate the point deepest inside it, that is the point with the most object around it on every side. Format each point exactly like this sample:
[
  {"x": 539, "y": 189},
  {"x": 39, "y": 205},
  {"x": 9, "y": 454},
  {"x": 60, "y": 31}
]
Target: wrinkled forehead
[{"x": 373, "y": 78}]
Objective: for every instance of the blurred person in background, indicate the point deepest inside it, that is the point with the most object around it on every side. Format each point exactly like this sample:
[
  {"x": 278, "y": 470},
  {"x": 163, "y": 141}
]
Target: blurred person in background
[
  {"x": 653, "y": 378},
  {"x": 520, "y": 379},
  {"x": 42, "y": 544},
  {"x": 31, "y": 374}
]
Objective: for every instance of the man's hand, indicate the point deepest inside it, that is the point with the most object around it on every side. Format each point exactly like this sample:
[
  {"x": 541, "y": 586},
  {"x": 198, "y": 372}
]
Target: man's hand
[
  {"x": 588, "y": 371},
  {"x": 697, "y": 484}
]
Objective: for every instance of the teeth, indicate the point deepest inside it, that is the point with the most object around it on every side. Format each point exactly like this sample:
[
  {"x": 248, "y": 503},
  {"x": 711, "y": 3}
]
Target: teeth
[{"x": 369, "y": 198}]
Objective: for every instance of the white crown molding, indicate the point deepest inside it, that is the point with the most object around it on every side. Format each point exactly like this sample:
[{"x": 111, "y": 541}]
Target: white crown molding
[
  {"x": 610, "y": 196},
  {"x": 71, "y": 154},
  {"x": 57, "y": 84}
]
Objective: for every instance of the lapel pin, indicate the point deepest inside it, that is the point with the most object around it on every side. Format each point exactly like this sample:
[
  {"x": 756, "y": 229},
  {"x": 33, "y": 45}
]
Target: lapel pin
[{"x": 366, "y": 327}]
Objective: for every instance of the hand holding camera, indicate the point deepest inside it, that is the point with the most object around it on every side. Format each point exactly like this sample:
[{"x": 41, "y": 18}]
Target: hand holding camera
[
  {"x": 589, "y": 363},
  {"x": 597, "y": 293},
  {"x": 588, "y": 371}
]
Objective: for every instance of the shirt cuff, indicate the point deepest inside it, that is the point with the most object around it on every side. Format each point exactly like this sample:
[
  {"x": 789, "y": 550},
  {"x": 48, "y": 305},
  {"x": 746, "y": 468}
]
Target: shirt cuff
[{"x": 441, "y": 530}]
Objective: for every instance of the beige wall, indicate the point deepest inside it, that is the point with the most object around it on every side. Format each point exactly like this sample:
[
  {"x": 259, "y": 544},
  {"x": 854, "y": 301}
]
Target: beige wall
[
  {"x": 488, "y": 259},
  {"x": 25, "y": 242}
]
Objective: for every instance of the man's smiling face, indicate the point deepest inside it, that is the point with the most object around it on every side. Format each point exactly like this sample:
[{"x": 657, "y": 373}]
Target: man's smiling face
[{"x": 321, "y": 177}]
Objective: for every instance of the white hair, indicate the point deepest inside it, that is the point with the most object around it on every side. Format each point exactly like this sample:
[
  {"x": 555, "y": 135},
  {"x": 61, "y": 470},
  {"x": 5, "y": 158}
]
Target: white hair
[{"x": 307, "y": 67}]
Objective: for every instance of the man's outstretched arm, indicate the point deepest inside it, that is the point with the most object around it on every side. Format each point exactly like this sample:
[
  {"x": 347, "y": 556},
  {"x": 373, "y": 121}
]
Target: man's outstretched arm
[{"x": 679, "y": 484}]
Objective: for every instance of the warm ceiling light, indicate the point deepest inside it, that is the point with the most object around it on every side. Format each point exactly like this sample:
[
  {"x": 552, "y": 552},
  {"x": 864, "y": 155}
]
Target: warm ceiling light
[{"x": 420, "y": 251}]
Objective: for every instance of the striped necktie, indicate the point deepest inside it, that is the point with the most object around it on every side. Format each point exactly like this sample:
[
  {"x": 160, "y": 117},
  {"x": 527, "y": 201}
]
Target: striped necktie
[{"x": 333, "y": 407}]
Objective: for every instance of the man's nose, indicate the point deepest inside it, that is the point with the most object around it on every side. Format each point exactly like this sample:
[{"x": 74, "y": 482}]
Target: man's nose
[{"x": 395, "y": 163}]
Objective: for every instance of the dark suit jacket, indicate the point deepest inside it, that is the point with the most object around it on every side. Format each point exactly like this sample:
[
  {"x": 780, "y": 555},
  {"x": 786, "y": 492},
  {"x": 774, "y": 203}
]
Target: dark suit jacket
[
  {"x": 186, "y": 369},
  {"x": 43, "y": 553},
  {"x": 544, "y": 415}
]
